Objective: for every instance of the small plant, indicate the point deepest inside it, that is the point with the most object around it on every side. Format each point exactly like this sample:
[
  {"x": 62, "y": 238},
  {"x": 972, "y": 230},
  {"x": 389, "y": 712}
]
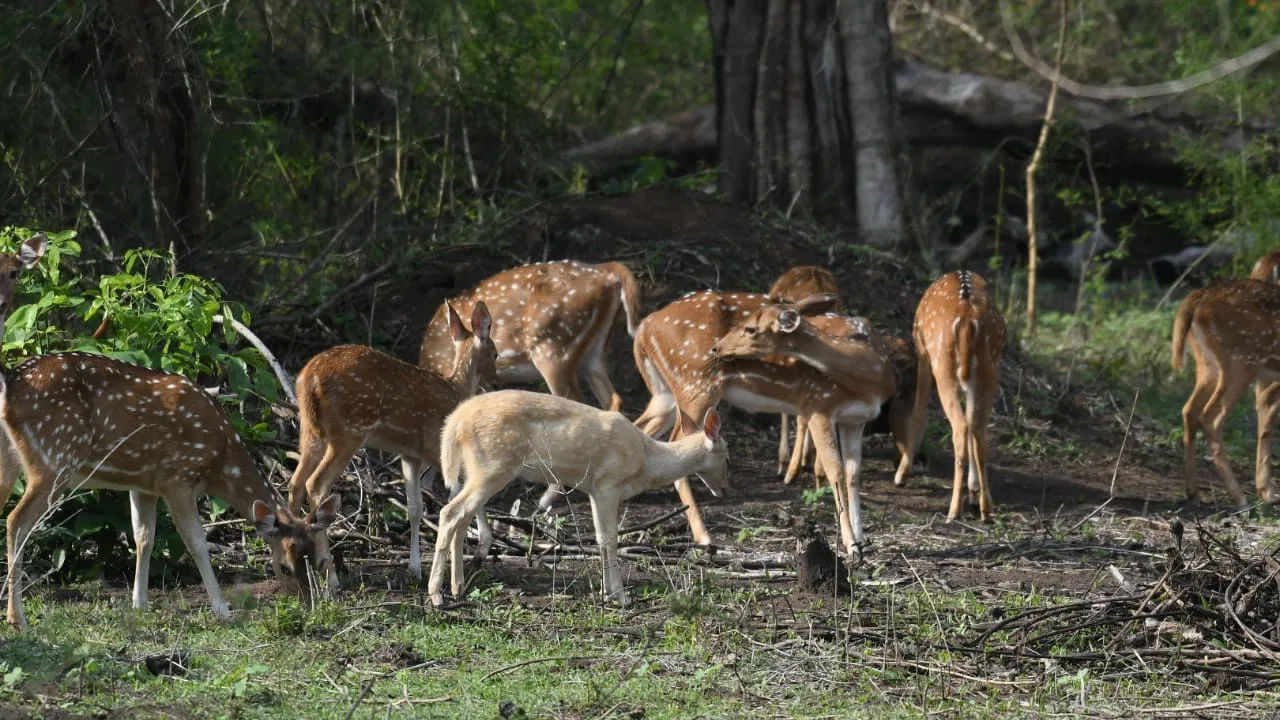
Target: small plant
[{"x": 816, "y": 496}]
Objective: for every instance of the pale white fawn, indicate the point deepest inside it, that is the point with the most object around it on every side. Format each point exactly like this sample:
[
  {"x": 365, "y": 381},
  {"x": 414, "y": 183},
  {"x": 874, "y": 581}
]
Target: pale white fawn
[{"x": 495, "y": 437}]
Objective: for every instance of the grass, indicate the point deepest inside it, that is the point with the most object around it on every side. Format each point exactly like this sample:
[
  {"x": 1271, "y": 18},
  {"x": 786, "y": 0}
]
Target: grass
[{"x": 720, "y": 650}]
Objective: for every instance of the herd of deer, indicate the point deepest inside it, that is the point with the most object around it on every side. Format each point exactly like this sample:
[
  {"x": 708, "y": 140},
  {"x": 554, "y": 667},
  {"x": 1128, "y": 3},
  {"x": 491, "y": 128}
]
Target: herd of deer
[{"x": 78, "y": 420}]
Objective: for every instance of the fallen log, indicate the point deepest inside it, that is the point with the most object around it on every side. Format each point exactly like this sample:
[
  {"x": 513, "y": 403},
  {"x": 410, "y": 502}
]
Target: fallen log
[{"x": 944, "y": 108}]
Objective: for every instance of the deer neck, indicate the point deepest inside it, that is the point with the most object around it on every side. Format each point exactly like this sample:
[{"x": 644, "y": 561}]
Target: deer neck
[
  {"x": 851, "y": 364},
  {"x": 241, "y": 484},
  {"x": 666, "y": 461},
  {"x": 465, "y": 378}
]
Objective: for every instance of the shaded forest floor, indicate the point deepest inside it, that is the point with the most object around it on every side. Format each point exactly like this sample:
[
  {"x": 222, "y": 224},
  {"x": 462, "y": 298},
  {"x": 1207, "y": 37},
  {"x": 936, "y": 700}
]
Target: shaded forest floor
[{"x": 1096, "y": 591}]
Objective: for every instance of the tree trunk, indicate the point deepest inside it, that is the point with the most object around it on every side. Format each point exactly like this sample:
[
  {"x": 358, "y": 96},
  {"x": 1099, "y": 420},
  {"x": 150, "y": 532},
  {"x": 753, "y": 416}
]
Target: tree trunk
[
  {"x": 173, "y": 155},
  {"x": 804, "y": 109}
]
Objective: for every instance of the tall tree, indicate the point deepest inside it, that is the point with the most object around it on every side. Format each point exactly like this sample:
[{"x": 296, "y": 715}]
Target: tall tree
[{"x": 805, "y": 111}]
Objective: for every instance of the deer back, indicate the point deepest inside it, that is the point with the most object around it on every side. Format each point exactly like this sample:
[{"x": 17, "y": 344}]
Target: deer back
[
  {"x": 1236, "y": 321},
  {"x": 802, "y": 281},
  {"x": 956, "y": 322},
  {"x": 1267, "y": 269},
  {"x": 552, "y": 307}
]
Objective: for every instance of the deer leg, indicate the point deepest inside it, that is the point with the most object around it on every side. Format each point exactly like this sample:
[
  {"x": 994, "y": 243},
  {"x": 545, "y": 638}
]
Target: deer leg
[
  {"x": 960, "y": 445},
  {"x": 827, "y": 445},
  {"x": 412, "y": 470},
  {"x": 142, "y": 514},
  {"x": 311, "y": 449},
  {"x": 454, "y": 517},
  {"x": 337, "y": 453},
  {"x": 36, "y": 500},
  {"x": 1192, "y": 422},
  {"x": 182, "y": 507},
  {"x": 784, "y": 449},
  {"x": 1228, "y": 392},
  {"x": 604, "y": 511},
  {"x": 10, "y": 465},
  {"x": 1267, "y": 399},
  {"x": 978, "y": 451},
  {"x": 851, "y": 451},
  {"x": 801, "y": 447},
  {"x": 692, "y": 513},
  {"x": 596, "y": 370},
  {"x": 915, "y": 425}
]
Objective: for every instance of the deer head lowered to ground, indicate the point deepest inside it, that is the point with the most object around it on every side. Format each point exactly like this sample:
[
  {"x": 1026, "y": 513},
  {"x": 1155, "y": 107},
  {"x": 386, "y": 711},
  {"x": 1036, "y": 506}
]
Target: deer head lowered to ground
[{"x": 86, "y": 421}]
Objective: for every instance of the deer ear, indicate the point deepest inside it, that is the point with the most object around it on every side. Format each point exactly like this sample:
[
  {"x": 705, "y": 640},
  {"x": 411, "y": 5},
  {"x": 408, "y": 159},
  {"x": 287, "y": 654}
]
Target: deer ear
[
  {"x": 687, "y": 424},
  {"x": 323, "y": 515},
  {"x": 264, "y": 520},
  {"x": 32, "y": 250},
  {"x": 814, "y": 304},
  {"x": 457, "y": 331},
  {"x": 481, "y": 321},
  {"x": 711, "y": 425},
  {"x": 788, "y": 321}
]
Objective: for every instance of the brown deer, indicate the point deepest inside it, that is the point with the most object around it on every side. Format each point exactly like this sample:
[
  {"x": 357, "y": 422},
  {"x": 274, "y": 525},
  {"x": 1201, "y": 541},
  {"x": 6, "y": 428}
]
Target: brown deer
[
  {"x": 1267, "y": 269},
  {"x": 793, "y": 285},
  {"x": 550, "y": 319},
  {"x": 496, "y": 436},
  {"x": 353, "y": 396},
  {"x": 959, "y": 338},
  {"x": 895, "y": 415},
  {"x": 85, "y": 421},
  {"x": 1234, "y": 337},
  {"x": 849, "y": 381}
]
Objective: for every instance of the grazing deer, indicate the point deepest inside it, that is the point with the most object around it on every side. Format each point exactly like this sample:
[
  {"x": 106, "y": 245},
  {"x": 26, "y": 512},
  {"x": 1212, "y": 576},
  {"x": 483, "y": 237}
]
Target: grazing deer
[
  {"x": 673, "y": 353},
  {"x": 793, "y": 285},
  {"x": 849, "y": 381},
  {"x": 959, "y": 337},
  {"x": 86, "y": 421},
  {"x": 550, "y": 319},
  {"x": 496, "y": 436},
  {"x": 1234, "y": 335},
  {"x": 353, "y": 396}
]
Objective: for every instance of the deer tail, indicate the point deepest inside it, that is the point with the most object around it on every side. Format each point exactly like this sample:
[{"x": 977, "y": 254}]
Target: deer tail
[
  {"x": 965, "y": 329},
  {"x": 629, "y": 290},
  {"x": 450, "y": 461},
  {"x": 1182, "y": 323}
]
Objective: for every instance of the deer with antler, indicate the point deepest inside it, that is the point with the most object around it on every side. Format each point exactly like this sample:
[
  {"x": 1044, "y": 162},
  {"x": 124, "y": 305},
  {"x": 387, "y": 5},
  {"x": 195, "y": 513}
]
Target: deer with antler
[
  {"x": 959, "y": 337},
  {"x": 352, "y": 396},
  {"x": 493, "y": 438},
  {"x": 793, "y": 285},
  {"x": 849, "y": 381},
  {"x": 673, "y": 352},
  {"x": 1232, "y": 332},
  {"x": 77, "y": 420}
]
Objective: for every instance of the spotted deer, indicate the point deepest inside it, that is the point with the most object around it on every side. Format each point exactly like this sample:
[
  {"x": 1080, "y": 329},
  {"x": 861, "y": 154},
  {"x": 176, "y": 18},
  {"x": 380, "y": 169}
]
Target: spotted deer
[
  {"x": 959, "y": 338},
  {"x": 77, "y": 420},
  {"x": 1231, "y": 331},
  {"x": 673, "y": 352},
  {"x": 550, "y": 319},
  {"x": 849, "y": 380},
  {"x": 1267, "y": 269},
  {"x": 494, "y": 437},
  {"x": 795, "y": 284},
  {"x": 352, "y": 396},
  {"x": 895, "y": 414}
]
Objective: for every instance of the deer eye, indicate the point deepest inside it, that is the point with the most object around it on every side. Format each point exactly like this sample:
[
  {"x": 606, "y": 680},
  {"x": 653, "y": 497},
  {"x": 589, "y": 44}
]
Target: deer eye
[
  {"x": 749, "y": 330},
  {"x": 288, "y": 571},
  {"x": 13, "y": 274}
]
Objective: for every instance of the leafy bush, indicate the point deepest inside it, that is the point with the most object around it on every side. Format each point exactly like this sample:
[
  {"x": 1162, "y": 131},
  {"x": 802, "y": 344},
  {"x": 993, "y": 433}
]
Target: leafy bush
[{"x": 155, "y": 318}]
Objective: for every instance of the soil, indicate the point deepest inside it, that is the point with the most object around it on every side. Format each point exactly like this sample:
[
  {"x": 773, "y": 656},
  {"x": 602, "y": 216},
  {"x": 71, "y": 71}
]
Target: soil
[{"x": 677, "y": 241}]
